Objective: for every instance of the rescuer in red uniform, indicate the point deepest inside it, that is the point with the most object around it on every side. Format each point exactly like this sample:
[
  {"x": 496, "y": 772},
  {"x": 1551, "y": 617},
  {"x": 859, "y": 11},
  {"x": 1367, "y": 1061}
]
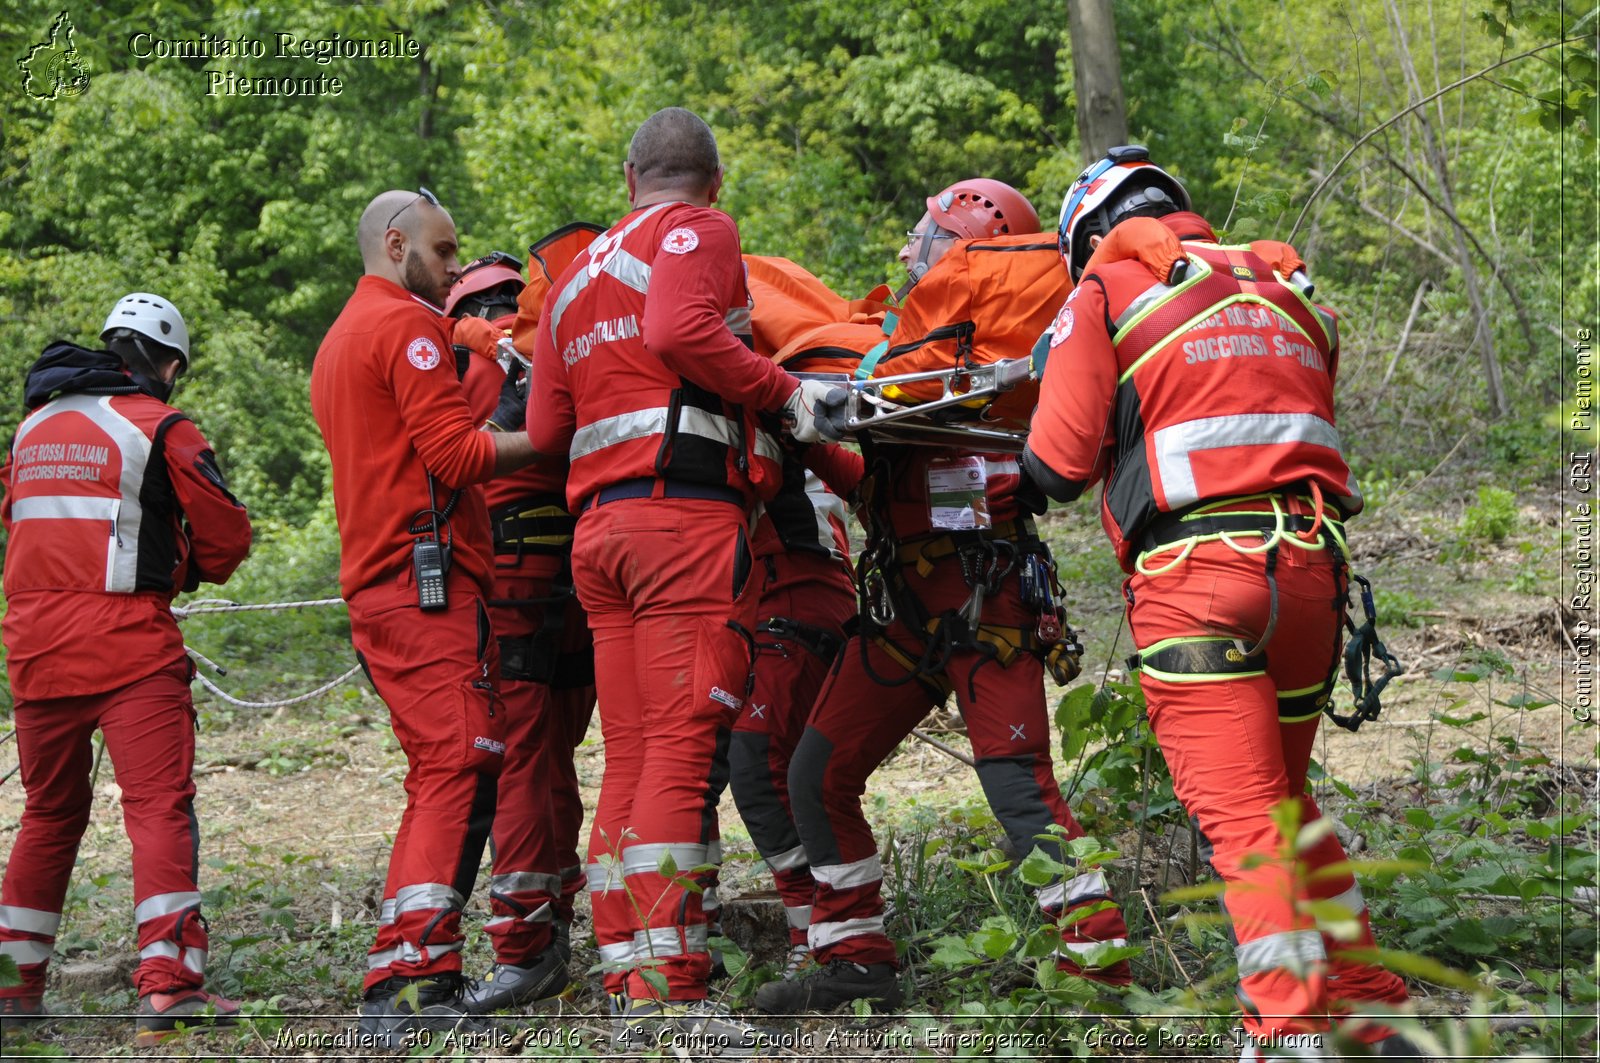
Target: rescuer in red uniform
[
  {"x": 546, "y": 681},
  {"x": 949, "y": 564},
  {"x": 1204, "y": 400},
  {"x": 113, "y": 504},
  {"x": 415, "y": 567},
  {"x": 638, "y": 379}
]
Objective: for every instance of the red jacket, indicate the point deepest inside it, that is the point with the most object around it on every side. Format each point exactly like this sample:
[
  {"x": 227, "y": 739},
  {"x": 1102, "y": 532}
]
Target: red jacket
[
  {"x": 635, "y": 371},
  {"x": 113, "y": 503},
  {"x": 385, "y": 395},
  {"x": 1219, "y": 386}
]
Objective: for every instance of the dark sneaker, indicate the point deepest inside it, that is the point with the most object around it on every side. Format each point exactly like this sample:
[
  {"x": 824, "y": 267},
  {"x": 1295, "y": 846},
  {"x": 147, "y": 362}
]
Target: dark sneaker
[
  {"x": 561, "y": 936},
  {"x": 391, "y": 1013},
  {"x": 699, "y": 1027},
  {"x": 510, "y": 986},
  {"x": 162, "y": 1014},
  {"x": 830, "y": 985}
]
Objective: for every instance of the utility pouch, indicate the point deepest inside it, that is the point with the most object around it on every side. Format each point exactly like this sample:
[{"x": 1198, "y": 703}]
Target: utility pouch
[{"x": 528, "y": 658}]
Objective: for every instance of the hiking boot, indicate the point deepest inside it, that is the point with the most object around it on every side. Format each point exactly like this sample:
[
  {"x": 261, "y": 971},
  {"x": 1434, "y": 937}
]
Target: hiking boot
[
  {"x": 1301, "y": 1046},
  {"x": 511, "y": 986},
  {"x": 161, "y": 1014},
  {"x": 387, "y": 1019},
  {"x": 698, "y": 1026},
  {"x": 561, "y": 936},
  {"x": 830, "y": 985},
  {"x": 798, "y": 961},
  {"x": 19, "y": 1012}
]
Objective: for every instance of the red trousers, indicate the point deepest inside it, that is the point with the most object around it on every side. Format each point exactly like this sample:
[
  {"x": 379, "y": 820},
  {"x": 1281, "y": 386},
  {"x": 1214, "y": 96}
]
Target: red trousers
[
  {"x": 539, "y": 811},
  {"x": 1234, "y": 759},
  {"x": 817, "y": 592},
  {"x": 661, "y": 580},
  {"x": 149, "y": 733},
  {"x": 858, "y": 721},
  {"x": 436, "y": 671}
]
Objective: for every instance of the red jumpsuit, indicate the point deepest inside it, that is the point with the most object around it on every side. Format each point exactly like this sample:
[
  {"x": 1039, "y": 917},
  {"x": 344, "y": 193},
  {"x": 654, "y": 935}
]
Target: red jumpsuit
[
  {"x": 113, "y": 503},
  {"x": 807, "y": 598},
  {"x": 871, "y": 702},
  {"x": 385, "y": 395},
  {"x": 635, "y": 377},
  {"x": 1209, "y": 414},
  {"x": 547, "y": 683}
]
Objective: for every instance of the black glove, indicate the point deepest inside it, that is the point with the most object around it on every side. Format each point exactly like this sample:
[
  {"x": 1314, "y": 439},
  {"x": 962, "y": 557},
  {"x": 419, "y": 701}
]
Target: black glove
[{"x": 511, "y": 415}]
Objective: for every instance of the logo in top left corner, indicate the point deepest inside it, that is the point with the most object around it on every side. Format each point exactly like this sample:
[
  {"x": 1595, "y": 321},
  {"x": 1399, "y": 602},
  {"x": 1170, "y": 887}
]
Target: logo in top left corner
[{"x": 54, "y": 68}]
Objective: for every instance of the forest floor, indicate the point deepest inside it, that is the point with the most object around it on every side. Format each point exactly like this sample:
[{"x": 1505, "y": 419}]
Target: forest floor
[{"x": 298, "y": 807}]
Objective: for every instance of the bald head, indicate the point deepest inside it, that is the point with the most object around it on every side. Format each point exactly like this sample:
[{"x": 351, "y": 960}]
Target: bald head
[
  {"x": 674, "y": 151},
  {"x": 407, "y": 239}
]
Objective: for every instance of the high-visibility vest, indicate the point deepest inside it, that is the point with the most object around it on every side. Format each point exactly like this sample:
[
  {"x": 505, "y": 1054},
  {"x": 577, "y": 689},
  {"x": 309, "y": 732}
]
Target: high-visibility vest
[
  {"x": 1226, "y": 388},
  {"x": 642, "y": 420},
  {"x": 91, "y": 506}
]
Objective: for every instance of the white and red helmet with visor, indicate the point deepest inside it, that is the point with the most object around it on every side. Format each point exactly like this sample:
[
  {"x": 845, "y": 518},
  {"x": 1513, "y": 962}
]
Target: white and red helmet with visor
[{"x": 1124, "y": 184}]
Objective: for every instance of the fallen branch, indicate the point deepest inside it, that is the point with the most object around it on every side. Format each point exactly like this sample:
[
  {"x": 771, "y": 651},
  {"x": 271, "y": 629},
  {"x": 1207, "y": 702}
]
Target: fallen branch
[{"x": 917, "y": 732}]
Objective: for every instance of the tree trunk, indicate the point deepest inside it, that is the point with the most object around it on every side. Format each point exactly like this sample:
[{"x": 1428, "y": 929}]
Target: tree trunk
[
  {"x": 1484, "y": 332},
  {"x": 1096, "y": 77}
]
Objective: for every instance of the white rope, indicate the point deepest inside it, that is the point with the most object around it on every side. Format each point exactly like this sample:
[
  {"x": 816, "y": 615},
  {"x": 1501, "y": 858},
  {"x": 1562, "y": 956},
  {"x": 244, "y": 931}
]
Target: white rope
[
  {"x": 222, "y": 605},
  {"x": 230, "y": 699}
]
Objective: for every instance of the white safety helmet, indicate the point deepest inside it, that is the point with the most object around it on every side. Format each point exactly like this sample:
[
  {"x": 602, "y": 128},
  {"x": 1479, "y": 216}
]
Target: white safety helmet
[
  {"x": 153, "y": 317},
  {"x": 1123, "y": 184}
]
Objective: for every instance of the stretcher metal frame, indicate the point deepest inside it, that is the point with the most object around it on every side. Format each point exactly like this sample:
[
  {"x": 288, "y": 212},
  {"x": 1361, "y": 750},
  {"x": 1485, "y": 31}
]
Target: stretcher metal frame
[{"x": 868, "y": 410}]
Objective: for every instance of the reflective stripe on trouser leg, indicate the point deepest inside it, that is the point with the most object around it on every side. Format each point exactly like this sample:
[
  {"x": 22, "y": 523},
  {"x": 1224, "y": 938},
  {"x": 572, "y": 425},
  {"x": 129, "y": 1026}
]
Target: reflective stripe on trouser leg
[
  {"x": 28, "y": 937},
  {"x": 609, "y": 906},
  {"x": 172, "y": 944},
  {"x": 522, "y": 905},
  {"x": 661, "y": 583},
  {"x": 1234, "y": 762},
  {"x": 854, "y": 725},
  {"x": 1354, "y": 984},
  {"x": 424, "y": 666}
]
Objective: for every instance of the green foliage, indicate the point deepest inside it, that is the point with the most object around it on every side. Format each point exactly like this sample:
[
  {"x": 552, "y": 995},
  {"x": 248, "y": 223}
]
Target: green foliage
[{"x": 1491, "y": 518}]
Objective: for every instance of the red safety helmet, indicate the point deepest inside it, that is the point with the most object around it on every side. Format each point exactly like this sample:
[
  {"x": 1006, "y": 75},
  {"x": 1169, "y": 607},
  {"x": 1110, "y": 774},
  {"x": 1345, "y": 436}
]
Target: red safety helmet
[
  {"x": 979, "y": 207},
  {"x": 481, "y": 274},
  {"x": 1124, "y": 184}
]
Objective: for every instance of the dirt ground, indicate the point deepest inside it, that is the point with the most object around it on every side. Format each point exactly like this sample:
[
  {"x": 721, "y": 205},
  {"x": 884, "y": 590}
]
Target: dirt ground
[{"x": 329, "y": 813}]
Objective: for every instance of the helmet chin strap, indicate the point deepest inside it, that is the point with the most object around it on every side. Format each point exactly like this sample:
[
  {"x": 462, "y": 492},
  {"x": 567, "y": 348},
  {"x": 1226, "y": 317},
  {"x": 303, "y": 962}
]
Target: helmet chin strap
[
  {"x": 919, "y": 269},
  {"x": 157, "y": 387}
]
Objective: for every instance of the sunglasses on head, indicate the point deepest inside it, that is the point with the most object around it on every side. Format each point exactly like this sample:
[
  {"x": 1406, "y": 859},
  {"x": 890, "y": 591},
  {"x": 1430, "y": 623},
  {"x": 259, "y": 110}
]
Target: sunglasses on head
[
  {"x": 422, "y": 194},
  {"x": 493, "y": 258}
]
